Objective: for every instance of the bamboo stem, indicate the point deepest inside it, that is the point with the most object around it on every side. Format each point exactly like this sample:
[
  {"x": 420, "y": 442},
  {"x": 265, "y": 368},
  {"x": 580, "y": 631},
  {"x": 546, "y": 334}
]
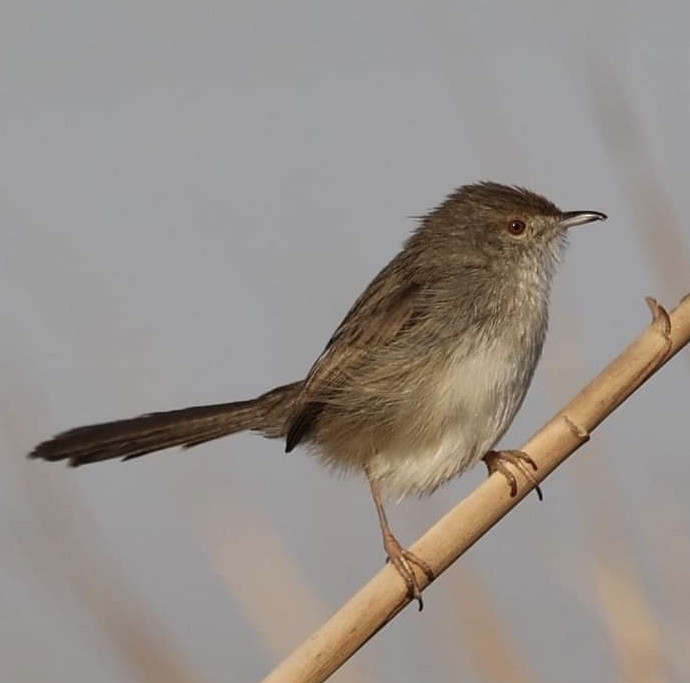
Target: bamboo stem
[{"x": 378, "y": 601}]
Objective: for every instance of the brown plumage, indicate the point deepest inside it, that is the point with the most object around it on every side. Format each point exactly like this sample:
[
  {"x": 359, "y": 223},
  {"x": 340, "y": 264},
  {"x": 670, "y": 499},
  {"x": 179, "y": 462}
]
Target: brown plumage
[
  {"x": 424, "y": 374},
  {"x": 187, "y": 427}
]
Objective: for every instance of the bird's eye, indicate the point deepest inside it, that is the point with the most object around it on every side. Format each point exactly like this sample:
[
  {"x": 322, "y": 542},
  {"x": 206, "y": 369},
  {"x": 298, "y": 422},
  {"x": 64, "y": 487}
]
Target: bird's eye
[{"x": 517, "y": 228}]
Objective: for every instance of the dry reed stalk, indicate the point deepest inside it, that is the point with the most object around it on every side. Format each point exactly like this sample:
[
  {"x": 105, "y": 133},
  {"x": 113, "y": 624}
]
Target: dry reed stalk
[
  {"x": 653, "y": 216},
  {"x": 652, "y": 213},
  {"x": 69, "y": 555},
  {"x": 384, "y": 595},
  {"x": 632, "y": 628},
  {"x": 272, "y": 592},
  {"x": 493, "y": 651},
  {"x": 629, "y": 619},
  {"x": 72, "y": 545},
  {"x": 666, "y": 536}
]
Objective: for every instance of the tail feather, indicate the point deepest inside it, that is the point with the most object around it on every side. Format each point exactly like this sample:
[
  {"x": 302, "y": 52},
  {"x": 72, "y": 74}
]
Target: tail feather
[{"x": 187, "y": 427}]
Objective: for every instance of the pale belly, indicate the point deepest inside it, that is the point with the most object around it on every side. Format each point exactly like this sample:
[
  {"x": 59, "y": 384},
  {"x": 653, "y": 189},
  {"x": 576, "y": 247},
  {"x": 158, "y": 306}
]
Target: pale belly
[{"x": 473, "y": 404}]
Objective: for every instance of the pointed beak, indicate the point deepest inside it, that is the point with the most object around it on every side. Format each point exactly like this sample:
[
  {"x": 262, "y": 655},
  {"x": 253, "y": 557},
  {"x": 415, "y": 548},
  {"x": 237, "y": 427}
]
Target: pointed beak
[{"x": 569, "y": 219}]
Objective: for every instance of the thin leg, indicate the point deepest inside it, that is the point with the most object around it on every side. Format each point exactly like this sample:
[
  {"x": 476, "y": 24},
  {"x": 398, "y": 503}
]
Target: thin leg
[
  {"x": 499, "y": 461},
  {"x": 402, "y": 559}
]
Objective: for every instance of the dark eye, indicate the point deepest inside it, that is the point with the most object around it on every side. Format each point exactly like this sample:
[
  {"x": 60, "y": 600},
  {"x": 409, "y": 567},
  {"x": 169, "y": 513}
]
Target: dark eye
[{"x": 517, "y": 227}]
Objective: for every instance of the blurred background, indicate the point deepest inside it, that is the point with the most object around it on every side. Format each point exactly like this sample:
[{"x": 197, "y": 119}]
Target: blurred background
[{"x": 191, "y": 196}]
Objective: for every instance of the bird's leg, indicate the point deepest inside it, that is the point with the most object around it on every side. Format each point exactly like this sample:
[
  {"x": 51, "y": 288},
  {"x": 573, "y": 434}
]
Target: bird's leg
[
  {"x": 401, "y": 559},
  {"x": 499, "y": 461}
]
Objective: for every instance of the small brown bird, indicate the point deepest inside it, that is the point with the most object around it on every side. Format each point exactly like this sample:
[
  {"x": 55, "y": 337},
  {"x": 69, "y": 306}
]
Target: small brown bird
[{"x": 423, "y": 376}]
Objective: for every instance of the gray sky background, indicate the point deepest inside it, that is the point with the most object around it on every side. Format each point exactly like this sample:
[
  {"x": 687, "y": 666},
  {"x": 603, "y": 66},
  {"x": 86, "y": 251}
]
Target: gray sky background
[{"x": 192, "y": 194}]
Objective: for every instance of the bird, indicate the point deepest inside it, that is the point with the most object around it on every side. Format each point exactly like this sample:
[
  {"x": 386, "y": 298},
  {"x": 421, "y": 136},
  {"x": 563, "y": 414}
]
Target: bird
[{"x": 420, "y": 380}]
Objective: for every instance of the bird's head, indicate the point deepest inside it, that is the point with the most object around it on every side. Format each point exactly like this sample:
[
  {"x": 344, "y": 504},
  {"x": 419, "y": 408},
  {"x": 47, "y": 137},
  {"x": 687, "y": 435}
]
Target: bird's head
[{"x": 494, "y": 224}]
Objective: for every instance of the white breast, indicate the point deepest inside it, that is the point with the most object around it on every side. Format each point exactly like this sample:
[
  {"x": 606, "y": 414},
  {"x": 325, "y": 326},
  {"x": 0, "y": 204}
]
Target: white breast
[{"x": 476, "y": 401}]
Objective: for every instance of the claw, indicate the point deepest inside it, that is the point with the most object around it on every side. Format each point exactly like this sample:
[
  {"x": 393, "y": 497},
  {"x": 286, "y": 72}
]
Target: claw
[
  {"x": 403, "y": 560},
  {"x": 498, "y": 461},
  {"x": 400, "y": 558}
]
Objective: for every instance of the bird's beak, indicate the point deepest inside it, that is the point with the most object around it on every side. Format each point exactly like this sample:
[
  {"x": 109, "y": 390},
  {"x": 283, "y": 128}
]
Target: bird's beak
[{"x": 570, "y": 219}]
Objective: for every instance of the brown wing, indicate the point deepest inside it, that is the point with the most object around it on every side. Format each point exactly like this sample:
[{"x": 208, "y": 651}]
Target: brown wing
[{"x": 385, "y": 308}]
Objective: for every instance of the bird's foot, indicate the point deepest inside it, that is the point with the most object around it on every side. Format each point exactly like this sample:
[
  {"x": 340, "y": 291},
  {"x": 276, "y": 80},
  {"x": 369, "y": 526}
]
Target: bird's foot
[
  {"x": 499, "y": 461},
  {"x": 403, "y": 560}
]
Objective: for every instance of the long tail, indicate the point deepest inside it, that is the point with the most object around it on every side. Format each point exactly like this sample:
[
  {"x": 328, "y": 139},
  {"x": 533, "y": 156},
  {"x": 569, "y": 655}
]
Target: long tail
[{"x": 188, "y": 427}]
